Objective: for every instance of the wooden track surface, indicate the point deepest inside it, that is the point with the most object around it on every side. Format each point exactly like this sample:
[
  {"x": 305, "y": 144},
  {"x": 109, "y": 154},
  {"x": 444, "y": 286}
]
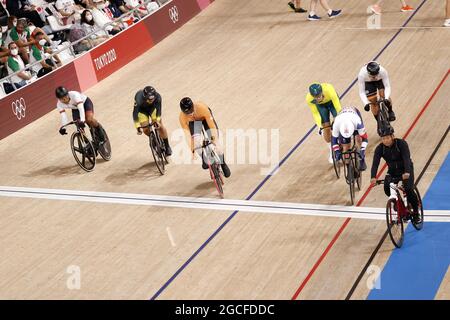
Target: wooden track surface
[{"x": 251, "y": 62}]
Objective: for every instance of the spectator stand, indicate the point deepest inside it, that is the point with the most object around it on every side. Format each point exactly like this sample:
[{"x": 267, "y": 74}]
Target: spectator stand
[{"x": 65, "y": 50}]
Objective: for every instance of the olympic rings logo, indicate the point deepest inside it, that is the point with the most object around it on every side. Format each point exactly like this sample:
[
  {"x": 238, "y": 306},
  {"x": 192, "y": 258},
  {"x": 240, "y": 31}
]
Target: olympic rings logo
[
  {"x": 173, "y": 14},
  {"x": 18, "y": 108}
]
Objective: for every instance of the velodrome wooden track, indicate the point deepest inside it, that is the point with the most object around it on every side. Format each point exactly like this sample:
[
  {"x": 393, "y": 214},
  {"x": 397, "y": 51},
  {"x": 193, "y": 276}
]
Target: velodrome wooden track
[{"x": 252, "y": 62}]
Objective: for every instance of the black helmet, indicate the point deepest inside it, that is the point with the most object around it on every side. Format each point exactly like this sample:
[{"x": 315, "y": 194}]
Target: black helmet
[
  {"x": 61, "y": 92},
  {"x": 315, "y": 89},
  {"x": 148, "y": 92},
  {"x": 373, "y": 68},
  {"x": 186, "y": 105},
  {"x": 386, "y": 131}
]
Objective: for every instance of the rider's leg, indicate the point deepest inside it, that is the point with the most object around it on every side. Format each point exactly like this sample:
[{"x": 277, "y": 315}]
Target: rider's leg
[
  {"x": 326, "y": 132},
  {"x": 387, "y": 188},
  {"x": 326, "y": 121},
  {"x": 225, "y": 168},
  {"x": 164, "y": 135},
  {"x": 345, "y": 147},
  {"x": 195, "y": 129},
  {"x": 410, "y": 194},
  {"x": 145, "y": 129},
  {"x": 374, "y": 106},
  {"x": 90, "y": 120}
]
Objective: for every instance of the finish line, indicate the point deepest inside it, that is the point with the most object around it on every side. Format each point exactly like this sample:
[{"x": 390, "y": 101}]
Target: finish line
[{"x": 291, "y": 208}]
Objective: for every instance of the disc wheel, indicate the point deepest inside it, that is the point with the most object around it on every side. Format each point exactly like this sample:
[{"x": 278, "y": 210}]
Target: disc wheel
[
  {"x": 104, "y": 148},
  {"x": 83, "y": 151}
]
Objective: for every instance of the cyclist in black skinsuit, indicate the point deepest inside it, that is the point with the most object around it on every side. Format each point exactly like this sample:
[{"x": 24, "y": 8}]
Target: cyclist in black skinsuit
[
  {"x": 147, "y": 105},
  {"x": 400, "y": 166}
]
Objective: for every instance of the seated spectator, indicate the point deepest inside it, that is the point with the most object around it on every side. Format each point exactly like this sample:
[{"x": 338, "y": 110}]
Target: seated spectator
[
  {"x": 132, "y": 4},
  {"x": 87, "y": 22},
  {"x": 22, "y": 9},
  {"x": 38, "y": 52},
  {"x": 121, "y": 5},
  {"x": 143, "y": 8},
  {"x": 102, "y": 19},
  {"x": 14, "y": 64},
  {"x": 12, "y": 22},
  {"x": 68, "y": 10},
  {"x": 77, "y": 33},
  {"x": 34, "y": 29},
  {"x": 22, "y": 35},
  {"x": 115, "y": 11}
]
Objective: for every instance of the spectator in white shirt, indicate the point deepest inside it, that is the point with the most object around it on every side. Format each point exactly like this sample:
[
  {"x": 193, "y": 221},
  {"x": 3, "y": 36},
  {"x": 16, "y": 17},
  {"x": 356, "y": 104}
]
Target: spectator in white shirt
[
  {"x": 89, "y": 27},
  {"x": 68, "y": 11},
  {"x": 14, "y": 64}
]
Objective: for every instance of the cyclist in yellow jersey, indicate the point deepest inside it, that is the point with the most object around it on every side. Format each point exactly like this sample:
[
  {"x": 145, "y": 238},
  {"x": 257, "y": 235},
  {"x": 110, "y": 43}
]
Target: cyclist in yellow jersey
[{"x": 322, "y": 99}]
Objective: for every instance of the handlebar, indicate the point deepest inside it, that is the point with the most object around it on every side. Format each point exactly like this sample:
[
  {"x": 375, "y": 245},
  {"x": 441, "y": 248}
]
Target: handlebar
[
  {"x": 205, "y": 143},
  {"x": 394, "y": 181},
  {"x": 151, "y": 124},
  {"x": 76, "y": 123},
  {"x": 349, "y": 151}
]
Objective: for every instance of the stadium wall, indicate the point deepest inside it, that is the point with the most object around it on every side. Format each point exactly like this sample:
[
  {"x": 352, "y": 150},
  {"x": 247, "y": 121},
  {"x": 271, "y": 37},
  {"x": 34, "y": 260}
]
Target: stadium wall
[{"x": 35, "y": 100}]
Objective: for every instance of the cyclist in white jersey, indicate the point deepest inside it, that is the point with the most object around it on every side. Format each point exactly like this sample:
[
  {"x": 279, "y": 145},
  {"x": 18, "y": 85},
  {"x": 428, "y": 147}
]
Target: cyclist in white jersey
[
  {"x": 349, "y": 123},
  {"x": 373, "y": 81},
  {"x": 82, "y": 110}
]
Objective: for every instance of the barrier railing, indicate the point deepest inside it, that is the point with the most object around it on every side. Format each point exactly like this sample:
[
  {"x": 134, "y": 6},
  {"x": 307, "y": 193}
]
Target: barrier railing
[{"x": 88, "y": 37}]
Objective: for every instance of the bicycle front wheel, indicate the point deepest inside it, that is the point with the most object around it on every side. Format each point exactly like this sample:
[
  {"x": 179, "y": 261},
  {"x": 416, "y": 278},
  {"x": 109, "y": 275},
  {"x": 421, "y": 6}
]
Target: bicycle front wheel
[
  {"x": 351, "y": 182},
  {"x": 217, "y": 178},
  {"x": 394, "y": 224},
  {"x": 83, "y": 151},
  {"x": 418, "y": 224},
  {"x": 156, "y": 152}
]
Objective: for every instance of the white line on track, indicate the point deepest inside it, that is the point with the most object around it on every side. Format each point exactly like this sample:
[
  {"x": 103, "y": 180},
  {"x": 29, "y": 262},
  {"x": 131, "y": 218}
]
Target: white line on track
[
  {"x": 395, "y": 28},
  {"x": 211, "y": 204}
]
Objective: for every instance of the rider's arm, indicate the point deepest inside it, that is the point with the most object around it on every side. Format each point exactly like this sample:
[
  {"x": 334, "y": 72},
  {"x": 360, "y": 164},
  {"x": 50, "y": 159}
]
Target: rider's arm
[
  {"x": 362, "y": 88},
  {"x": 76, "y": 96},
  {"x": 158, "y": 108},
  {"x": 185, "y": 126},
  {"x": 334, "y": 98},
  {"x": 62, "y": 112},
  {"x": 406, "y": 156},
  {"x": 387, "y": 84},
  {"x": 314, "y": 111},
  {"x": 135, "y": 115},
  {"x": 376, "y": 161},
  {"x": 335, "y": 135},
  {"x": 204, "y": 112},
  {"x": 363, "y": 134},
  {"x": 80, "y": 107}
]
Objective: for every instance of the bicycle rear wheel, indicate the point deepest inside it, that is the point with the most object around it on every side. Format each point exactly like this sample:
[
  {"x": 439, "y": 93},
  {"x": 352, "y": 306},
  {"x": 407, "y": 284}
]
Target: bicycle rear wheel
[
  {"x": 157, "y": 154},
  {"x": 83, "y": 151},
  {"x": 419, "y": 224},
  {"x": 394, "y": 224},
  {"x": 104, "y": 148}
]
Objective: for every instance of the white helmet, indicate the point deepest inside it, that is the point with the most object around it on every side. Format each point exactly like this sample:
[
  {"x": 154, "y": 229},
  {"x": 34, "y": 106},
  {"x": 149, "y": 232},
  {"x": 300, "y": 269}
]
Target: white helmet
[{"x": 347, "y": 128}]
